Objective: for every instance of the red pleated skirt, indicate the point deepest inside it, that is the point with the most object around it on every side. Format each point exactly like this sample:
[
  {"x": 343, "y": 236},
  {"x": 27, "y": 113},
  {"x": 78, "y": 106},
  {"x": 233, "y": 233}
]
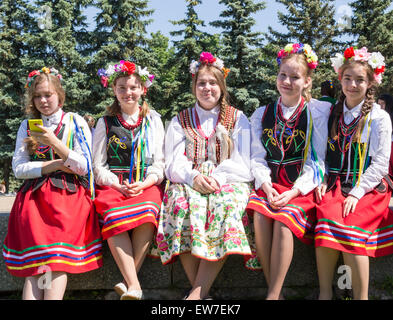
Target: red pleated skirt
[
  {"x": 52, "y": 229},
  {"x": 298, "y": 215},
  {"x": 118, "y": 213},
  {"x": 367, "y": 231}
]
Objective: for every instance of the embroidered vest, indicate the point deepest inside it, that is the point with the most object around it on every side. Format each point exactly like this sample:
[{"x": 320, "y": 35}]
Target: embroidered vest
[
  {"x": 119, "y": 148},
  {"x": 285, "y": 142},
  {"x": 339, "y": 149},
  {"x": 199, "y": 147},
  {"x": 59, "y": 179}
]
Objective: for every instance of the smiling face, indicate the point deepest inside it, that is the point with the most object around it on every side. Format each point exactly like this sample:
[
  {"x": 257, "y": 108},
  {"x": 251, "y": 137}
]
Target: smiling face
[
  {"x": 128, "y": 90},
  {"x": 207, "y": 89},
  {"x": 292, "y": 80},
  {"x": 355, "y": 81},
  {"x": 46, "y": 99}
]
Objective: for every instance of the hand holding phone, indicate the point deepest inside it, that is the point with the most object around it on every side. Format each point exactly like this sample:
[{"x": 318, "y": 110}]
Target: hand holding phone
[{"x": 33, "y": 123}]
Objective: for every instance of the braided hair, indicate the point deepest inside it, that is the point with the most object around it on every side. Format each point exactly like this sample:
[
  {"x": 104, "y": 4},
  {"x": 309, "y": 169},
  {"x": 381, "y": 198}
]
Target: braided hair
[{"x": 368, "y": 101}]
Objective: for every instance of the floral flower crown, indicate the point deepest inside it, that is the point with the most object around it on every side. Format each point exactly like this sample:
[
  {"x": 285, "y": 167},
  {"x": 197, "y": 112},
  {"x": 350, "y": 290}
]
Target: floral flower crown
[
  {"x": 33, "y": 74},
  {"x": 108, "y": 75},
  {"x": 208, "y": 59},
  {"x": 291, "y": 48},
  {"x": 374, "y": 59}
]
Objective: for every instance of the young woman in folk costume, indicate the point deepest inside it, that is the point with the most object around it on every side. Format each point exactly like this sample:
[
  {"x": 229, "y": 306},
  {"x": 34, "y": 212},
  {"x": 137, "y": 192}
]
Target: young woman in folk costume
[
  {"x": 207, "y": 155},
  {"x": 353, "y": 216},
  {"x": 46, "y": 234},
  {"x": 287, "y": 138},
  {"x": 128, "y": 159}
]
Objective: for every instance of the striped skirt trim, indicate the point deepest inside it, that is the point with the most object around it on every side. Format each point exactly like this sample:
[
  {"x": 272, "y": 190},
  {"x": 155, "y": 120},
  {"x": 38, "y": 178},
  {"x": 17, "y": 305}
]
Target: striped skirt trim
[
  {"x": 294, "y": 215},
  {"x": 57, "y": 256},
  {"x": 117, "y": 220},
  {"x": 353, "y": 239}
]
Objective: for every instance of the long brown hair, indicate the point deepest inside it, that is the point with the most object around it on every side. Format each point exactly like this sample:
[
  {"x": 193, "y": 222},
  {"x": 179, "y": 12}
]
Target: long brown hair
[
  {"x": 30, "y": 108},
  {"x": 301, "y": 58},
  {"x": 224, "y": 99},
  {"x": 115, "y": 109},
  {"x": 368, "y": 101}
]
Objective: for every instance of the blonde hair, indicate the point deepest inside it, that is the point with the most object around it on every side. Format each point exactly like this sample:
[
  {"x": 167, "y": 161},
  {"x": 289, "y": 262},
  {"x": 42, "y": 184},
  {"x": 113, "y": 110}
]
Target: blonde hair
[
  {"x": 115, "y": 109},
  {"x": 301, "y": 58},
  {"x": 224, "y": 99},
  {"x": 368, "y": 101},
  {"x": 30, "y": 108},
  {"x": 32, "y": 111}
]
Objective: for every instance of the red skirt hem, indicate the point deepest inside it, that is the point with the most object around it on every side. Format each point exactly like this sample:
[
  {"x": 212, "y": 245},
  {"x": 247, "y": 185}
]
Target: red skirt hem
[
  {"x": 366, "y": 231},
  {"x": 298, "y": 215},
  {"x": 119, "y": 214}
]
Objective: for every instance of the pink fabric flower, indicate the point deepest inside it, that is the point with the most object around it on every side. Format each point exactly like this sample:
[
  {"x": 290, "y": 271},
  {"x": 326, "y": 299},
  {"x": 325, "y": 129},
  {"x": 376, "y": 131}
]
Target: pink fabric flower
[
  {"x": 313, "y": 65},
  {"x": 159, "y": 237},
  {"x": 207, "y": 57},
  {"x": 104, "y": 81},
  {"x": 237, "y": 241},
  {"x": 184, "y": 205},
  {"x": 180, "y": 200},
  {"x": 362, "y": 54},
  {"x": 295, "y": 47},
  {"x": 227, "y": 188},
  {"x": 281, "y": 53}
]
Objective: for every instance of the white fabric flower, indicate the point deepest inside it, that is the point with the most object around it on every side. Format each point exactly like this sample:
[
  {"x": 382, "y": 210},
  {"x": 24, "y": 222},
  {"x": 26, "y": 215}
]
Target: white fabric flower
[
  {"x": 194, "y": 67},
  {"x": 110, "y": 70},
  {"x": 219, "y": 63},
  {"x": 337, "y": 61},
  {"x": 376, "y": 60}
]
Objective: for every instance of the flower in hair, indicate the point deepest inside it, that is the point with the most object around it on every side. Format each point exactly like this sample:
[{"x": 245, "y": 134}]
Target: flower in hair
[
  {"x": 33, "y": 74},
  {"x": 107, "y": 76},
  {"x": 293, "y": 48},
  {"x": 375, "y": 60},
  {"x": 208, "y": 59}
]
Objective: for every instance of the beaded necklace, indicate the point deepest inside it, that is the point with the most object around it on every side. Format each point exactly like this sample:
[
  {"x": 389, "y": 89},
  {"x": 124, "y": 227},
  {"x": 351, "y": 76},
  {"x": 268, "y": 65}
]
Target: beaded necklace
[{"x": 286, "y": 123}]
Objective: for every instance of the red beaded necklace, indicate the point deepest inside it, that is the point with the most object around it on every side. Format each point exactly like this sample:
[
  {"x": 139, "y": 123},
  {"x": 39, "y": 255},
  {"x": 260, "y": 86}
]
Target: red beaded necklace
[{"x": 130, "y": 126}]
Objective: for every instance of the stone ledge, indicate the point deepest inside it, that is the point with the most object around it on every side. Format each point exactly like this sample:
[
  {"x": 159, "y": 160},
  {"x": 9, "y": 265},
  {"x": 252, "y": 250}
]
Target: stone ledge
[{"x": 234, "y": 281}]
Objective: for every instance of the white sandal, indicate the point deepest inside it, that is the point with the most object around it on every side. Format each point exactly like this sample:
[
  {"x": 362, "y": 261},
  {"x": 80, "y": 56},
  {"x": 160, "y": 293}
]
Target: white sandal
[
  {"x": 132, "y": 295},
  {"x": 120, "y": 288}
]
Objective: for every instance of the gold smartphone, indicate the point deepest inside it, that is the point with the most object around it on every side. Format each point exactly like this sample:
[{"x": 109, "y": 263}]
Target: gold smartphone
[{"x": 32, "y": 124}]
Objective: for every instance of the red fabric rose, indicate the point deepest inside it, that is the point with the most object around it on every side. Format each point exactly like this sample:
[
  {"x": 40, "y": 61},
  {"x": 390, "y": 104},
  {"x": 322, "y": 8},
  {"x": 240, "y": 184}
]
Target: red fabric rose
[
  {"x": 380, "y": 70},
  {"x": 34, "y": 73},
  {"x": 349, "y": 53},
  {"x": 128, "y": 67}
]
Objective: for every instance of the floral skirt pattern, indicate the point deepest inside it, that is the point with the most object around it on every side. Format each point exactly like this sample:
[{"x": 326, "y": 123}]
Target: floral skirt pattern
[{"x": 207, "y": 226}]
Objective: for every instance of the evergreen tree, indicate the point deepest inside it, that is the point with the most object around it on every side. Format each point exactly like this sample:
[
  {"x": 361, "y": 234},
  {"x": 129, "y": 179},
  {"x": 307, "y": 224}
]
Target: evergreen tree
[
  {"x": 193, "y": 41},
  {"x": 14, "y": 24},
  {"x": 372, "y": 26},
  {"x": 55, "y": 40},
  {"x": 312, "y": 22},
  {"x": 160, "y": 95},
  {"x": 120, "y": 34},
  {"x": 241, "y": 54}
]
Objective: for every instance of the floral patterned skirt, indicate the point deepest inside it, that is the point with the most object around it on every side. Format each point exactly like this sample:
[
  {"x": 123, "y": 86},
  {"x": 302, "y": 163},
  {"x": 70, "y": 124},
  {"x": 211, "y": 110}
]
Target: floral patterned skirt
[{"x": 209, "y": 227}]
